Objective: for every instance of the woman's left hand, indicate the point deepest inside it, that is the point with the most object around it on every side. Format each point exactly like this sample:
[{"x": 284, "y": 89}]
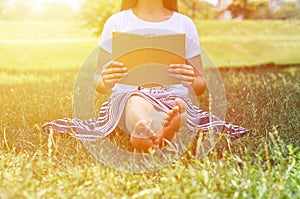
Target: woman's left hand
[{"x": 183, "y": 72}]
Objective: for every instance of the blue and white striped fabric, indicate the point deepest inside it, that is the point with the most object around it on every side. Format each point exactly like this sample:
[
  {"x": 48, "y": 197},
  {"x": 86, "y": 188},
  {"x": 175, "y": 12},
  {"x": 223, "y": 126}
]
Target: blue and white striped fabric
[{"x": 162, "y": 98}]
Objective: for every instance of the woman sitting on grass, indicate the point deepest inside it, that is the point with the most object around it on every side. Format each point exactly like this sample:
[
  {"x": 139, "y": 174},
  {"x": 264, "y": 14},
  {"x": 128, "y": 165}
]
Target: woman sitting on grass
[{"x": 150, "y": 115}]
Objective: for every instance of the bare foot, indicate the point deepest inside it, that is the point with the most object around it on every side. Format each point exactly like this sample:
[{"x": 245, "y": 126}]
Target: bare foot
[
  {"x": 174, "y": 120},
  {"x": 143, "y": 138}
]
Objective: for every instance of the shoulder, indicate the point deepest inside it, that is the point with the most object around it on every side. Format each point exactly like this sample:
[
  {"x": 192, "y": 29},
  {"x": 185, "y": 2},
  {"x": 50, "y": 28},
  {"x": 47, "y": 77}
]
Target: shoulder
[
  {"x": 186, "y": 24},
  {"x": 117, "y": 17},
  {"x": 183, "y": 18}
]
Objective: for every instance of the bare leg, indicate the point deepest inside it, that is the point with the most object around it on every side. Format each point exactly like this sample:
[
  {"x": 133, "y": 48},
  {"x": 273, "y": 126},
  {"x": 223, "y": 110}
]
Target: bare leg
[{"x": 137, "y": 108}]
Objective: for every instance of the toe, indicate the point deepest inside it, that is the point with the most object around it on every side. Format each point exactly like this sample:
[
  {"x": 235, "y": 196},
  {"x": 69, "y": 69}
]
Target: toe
[
  {"x": 173, "y": 112},
  {"x": 166, "y": 123},
  {"x": 141, "y": 123},
  {"x": 181, "y": 104}
]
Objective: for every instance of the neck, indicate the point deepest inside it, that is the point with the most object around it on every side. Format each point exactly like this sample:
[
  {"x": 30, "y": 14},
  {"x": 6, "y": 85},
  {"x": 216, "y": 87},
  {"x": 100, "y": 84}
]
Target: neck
[
  {"x": 152, "y": 10},
  {"x": 150, "y": 6}
]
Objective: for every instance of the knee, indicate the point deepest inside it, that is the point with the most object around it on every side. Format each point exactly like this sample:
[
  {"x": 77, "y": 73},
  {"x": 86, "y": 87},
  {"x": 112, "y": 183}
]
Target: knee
[
  {"x": 137, "y": 101},
  {"x": 133, "y": 99}
]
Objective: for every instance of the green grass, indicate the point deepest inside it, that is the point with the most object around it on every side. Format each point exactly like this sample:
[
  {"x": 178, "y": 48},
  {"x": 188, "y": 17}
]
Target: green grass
[
  {"x": 33, "y": 30},
  {"x": 36, "y": 87},
  {"x": 246, "y": 43},
  {"x": 229, "y": 43},
  {"x": 44, "y": 56}
]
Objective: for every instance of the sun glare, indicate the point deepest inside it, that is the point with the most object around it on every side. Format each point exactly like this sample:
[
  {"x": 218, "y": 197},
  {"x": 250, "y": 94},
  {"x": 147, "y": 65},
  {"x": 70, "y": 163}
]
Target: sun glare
[{"x": 75, "y": 4}]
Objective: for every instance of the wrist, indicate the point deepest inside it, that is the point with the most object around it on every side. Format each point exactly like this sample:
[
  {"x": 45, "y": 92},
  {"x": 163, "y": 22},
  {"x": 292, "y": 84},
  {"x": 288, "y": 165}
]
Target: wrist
[
  {"x": 100, "y": 84},
  {"x": 198, "y": 84}
]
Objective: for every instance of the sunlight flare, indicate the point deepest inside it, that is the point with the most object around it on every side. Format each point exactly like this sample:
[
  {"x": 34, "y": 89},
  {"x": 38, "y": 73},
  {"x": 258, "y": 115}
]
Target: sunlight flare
[{"x": 74, "y": 4}]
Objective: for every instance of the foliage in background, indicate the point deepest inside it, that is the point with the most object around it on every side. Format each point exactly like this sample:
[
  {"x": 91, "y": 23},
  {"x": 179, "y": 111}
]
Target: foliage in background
[
  {"x": 239, "y": 9},
  {"x": 96, "y": 12},
  {"x": 261, "y": 10},
  {"x": 258, "y": 10},
  {"x": 288, "y": 10},
  {"x": 197, "y": 9}
]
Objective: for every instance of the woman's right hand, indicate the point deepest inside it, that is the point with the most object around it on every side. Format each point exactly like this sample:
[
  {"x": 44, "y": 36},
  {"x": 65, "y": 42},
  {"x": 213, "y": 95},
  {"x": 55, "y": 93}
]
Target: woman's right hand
[{"x": 112, "y": 73}]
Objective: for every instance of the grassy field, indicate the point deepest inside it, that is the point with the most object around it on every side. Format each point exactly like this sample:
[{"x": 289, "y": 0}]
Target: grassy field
[
  {"x": 37, "y": 78},
  {"x": 251, "y": 42},
  {"x": 233, "y": 43}
]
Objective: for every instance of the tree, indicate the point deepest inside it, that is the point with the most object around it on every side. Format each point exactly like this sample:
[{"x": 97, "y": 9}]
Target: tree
[
  {"x": 239, "y": 9},
  {"x": 96, "y": 12},
  {"x": 259, "y": 10},
  {"x": 192, "y": 4},
  {"x": 287, "y": 10},
  {"x": 197, "y": 9}
]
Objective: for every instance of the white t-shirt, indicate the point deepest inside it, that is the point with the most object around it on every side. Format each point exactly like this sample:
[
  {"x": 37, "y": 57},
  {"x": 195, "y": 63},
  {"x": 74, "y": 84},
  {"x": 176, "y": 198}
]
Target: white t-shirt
[{"x": 127, "y": 21}]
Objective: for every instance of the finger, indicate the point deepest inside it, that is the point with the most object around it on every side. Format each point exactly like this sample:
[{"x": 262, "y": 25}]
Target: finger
[
  {"x": 181, "y": 104},
  {"x": 166, "y": 123},
  {"x": 182, "y": 71},
  {"x": 111, "y": 64},
  {"x": 181, "y": 66},
  {"x": 114, "y": 76},
  {"x": 184, "y": 82},
  {"x": 114, "y": 70},
  {"x": 116, "y": 64},
  {"x": 111, "y": 82},
  {"x": 182, "y": 77}
]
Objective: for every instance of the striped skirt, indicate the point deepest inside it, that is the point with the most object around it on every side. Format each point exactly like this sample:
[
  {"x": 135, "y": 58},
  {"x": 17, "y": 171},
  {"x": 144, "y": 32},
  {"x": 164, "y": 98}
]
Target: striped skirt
[{"x": 162, "y": 98}]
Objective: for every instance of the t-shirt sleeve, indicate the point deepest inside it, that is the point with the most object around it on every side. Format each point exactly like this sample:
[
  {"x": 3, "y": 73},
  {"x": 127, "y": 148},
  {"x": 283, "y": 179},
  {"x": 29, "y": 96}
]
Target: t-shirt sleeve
[
  {"x": 192, "y": 41},
  {"x": 109, "y": 27}
]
